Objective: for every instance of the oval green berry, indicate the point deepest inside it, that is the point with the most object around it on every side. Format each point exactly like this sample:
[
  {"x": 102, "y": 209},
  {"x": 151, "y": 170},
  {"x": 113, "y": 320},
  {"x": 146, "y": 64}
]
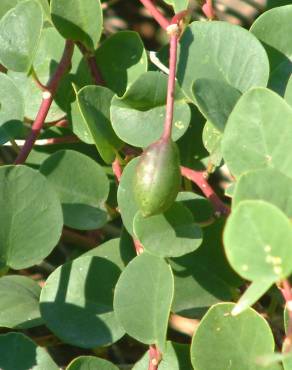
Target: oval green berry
[{"x": 157, "y": 179}]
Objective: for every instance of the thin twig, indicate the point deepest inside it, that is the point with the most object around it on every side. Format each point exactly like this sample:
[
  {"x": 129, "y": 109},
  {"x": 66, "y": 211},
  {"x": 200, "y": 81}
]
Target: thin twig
[
  {"x": 208, "y": 10},
  {"x": 154, "y": 358},
  {"x": 47, "y": 100},
  {"x": 156, "y": 13},
  {"x": 91, "y": 61},
  {"x": 200, "y": 179}
]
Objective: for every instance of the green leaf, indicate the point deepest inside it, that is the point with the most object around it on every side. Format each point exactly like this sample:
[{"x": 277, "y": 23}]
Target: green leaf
[
  {"x": 170, "y": 234},
  {"x": 18, "y": 352},
  {"x": 203, "y": 277},
  {"x": 11, "y": 109},
  {"x": 77, "y": 302},
  {"x": 267, "y": 184},
  {"x": 20, "y": 31},
  {"x": 178, "y": 5},
  {"x": 19, "y": 306},
  {"x": 94, "y": 104},
  {"x": 6, "y": 5},
  {"x": 221, "y": 51},
  {"x": 79, "y": 20},
  {"x": 138, "y": 116},
  {"x": 201, "y": 207},
  {"x": 31, "y": 217},
  {"x": 176, "y": 357},
  {"x": 252, "y": 246},
  {"x": 254, "y": 136},
  {"x": 273, "y": 29},
  {"x": 90, "y": 363},
  {"x": 119, "y": 251},
  {"x": 223, "y": 341},
  {"x": 212, "y": 138},
  {"x": 216, "y": 100},
  {"x": 120, "y": 70},
  {"x": 143, "y": 285},
  {"x": 82, "y": 187},
  {"x": 126, "y": 201}
]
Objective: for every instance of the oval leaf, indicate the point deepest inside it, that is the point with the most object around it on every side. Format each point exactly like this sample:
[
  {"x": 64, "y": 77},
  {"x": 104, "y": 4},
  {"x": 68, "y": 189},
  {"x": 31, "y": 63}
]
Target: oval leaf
[
  {"x": 18, "y": 352},
  {"x": 143, "y": 285},
  {"x": 219, "y": 336},
  {"x": 31, "y": 217},
  {"x": 19, "y": 305},
  {"x": 170, "y": 234},
  {"x": 20, "y": 31},
  {"x": 77, "y": 302},
  {"x": 94, "y": 104},
  {"x": 223, "y": 52},
  {"x": 82, "y": 187},
  {"x": 138, "y": 116},
  {"x": 79, "y": 20},
  {"x": 254, "y": 136},
  {"x": 90, "y": 362}
]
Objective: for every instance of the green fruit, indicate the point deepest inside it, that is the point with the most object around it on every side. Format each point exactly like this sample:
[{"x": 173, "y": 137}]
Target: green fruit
[{"x": 157, "y": 178}]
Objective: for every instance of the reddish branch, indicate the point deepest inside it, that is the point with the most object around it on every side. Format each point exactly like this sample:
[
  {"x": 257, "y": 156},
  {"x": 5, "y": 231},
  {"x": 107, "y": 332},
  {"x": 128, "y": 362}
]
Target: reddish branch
[
  {"x": 285, "y": 289},
  {"x": 156, "y": 13},
  {"x": 48, "y": 96},
  {"x": 209, "y": 10},
  {"x": 200, "y": 179},
  {"x": 154, "y": 358},
  {"x": 94, "y": 70}
]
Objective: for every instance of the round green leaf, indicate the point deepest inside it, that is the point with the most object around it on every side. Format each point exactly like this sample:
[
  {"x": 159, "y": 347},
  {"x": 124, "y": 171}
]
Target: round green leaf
[
  {"x": 90, "y": 363},
  {"x": 119, "y": 251},
  {"x": 216, "y": 100},
  {"x": 203, "y": 277},
  {"x": 201, "y": 207},
  {"x": 138, "y": 116},
  {"x": 254, "y": 136},
  {"x": 11, "y": 109},
  {"x": 79, "y": 20},
  {"x": 170, "y": 234},
  {"x": 273, "y": 28},
  {"x": 20, "y": 30},
  {"x": 143, "y": 285},
  {"x": 19, "y": 305},
  {"x": 77, "y": 302},
  {"x": 18, "y": 352},
  {"x": 221, "y": 51},
  {"x": 120, "y": 70},
  {"x": 258, "y": 239},
  {"x": 94, "y": 104},
  {"x": 223, "y": 341},
  {"x": 267, "y": 184},
  {"x": 126, "y": 201},
  {"x": 31, "y": 217},
  {"x": 176, "y": 357},
  {"x": 82, "y": 187}
]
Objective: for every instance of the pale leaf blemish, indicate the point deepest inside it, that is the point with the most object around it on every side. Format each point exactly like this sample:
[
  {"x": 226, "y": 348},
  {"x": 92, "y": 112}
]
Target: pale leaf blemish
[
  {"x": 278, "y": 270},
  {"x": 218, "y": 329},
  {"x": 244, "y": 267},
  {"x": 267, "y": 248},
  {"x": 179, "y": 125},
  {"x": 226, "y": 314},
  {"x": 147, "y": 179},
  {"x": 268, "y": 158}
]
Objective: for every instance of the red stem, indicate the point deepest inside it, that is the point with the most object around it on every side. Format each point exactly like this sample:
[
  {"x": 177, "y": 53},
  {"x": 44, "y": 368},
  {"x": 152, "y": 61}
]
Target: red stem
[
  {"x": 117, "y": 169},
  {"x": 48, "y": 97},
  {"x": 200, "y": 179},
  {"x": 171, "y": 87},
  {"x": 208, "y": 10},
  {"x": 154, "y": 358},
  {"x": 156, "y": 14},
  {"x": 94, "y": 70},
  {"x": 287, "y": 295}
]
